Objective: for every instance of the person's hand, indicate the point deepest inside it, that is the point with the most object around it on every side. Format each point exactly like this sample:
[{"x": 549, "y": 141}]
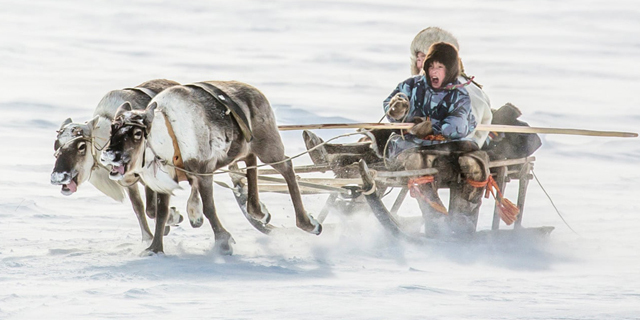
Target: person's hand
[
  {"x": 398, "y": 106},
  {"x": 422, "y": 127}
]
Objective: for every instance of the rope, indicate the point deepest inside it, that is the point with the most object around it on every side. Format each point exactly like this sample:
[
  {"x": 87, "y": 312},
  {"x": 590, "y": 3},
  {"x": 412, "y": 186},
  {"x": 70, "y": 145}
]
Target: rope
[
  {"x": 414, "y": 189},
  {"x": 553, "y": 204},
  {"x": 506, "y": 209},
  {"x": 221, "y": 171}
]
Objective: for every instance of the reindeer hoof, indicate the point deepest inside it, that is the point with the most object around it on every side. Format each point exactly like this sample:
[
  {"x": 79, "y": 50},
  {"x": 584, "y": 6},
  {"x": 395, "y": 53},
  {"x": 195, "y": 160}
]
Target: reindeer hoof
[
  {"x": 317, "y": 230},
  {"x": 267, "y": 215},
  {"x": 174, "y": 217},
  {"x": 223, "y": 245},
  {"x": 197, "y": 223},
  {"x": 265, "y": 218},
  {"x": 149, "y": 252},
  {"x": 317, "y": 227}
]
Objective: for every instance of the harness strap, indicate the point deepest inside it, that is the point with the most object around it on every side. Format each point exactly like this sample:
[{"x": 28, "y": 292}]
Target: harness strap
[
  {"x": 414, "y": 189},
  {"x": 149, "y": 93},
  {"x": 177, "y": 156},
  {"x": 232, "y": 106},
  {"x": 506, "y": 209}
]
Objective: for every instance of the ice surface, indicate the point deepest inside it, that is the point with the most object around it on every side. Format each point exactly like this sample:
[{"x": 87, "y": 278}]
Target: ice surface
[{"x": 564, "y": 64}]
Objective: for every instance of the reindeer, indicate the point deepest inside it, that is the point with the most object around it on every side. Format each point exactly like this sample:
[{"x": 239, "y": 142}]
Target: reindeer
[
  {"x": 197, "y": 129},
  {"x": 77, "y": 147}
]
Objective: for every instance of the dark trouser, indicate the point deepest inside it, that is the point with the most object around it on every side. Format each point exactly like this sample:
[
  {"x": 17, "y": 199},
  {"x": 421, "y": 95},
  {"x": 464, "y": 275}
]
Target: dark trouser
[{"x": 454, "y": 168}]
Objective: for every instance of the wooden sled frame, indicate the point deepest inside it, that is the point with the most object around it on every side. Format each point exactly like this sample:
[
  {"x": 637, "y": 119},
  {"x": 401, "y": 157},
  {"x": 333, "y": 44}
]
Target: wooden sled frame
[{"x": 345, "y": 193}]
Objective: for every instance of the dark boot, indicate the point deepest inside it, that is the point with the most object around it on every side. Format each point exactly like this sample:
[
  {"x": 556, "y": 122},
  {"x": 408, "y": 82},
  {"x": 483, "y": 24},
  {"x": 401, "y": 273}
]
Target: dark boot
[
  {"x": 431, "y": 206},
  {"x": 465, "y": 199},
  {"x": 432, "y": 209}
]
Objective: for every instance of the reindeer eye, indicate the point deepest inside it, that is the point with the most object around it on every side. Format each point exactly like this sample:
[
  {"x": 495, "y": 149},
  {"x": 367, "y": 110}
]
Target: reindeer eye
[
  {"x": 137, "y": 133},
  {"x": 82, "y": 146}
]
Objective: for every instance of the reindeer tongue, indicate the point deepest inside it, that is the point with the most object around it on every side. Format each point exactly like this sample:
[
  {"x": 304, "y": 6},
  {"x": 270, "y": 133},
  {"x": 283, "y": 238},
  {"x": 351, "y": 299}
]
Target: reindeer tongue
[
  {"x": 71, "y": 186},
  {"x": 120, "y": 169}
]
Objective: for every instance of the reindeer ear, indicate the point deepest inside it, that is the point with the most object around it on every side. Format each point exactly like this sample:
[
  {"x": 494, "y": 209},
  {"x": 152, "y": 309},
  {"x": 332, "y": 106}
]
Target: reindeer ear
[
  {"x": 92, "y": 123},
  {"x": 66, "y": 122},
  {"x": 126, "y": 106},
  {"x": 149, "y": 113}
]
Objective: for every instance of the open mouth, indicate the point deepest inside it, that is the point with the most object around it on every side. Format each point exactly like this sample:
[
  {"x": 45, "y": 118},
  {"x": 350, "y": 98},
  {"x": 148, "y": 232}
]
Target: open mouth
[
  {"x": 70, "y": 187},
  {"x": 435, "y": 82},
  {"x": 118, "y": 170}
]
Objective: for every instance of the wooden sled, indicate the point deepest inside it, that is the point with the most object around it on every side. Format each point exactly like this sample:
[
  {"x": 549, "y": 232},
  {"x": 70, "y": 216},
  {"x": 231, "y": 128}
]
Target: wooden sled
[{"x": 360, "y": 185}]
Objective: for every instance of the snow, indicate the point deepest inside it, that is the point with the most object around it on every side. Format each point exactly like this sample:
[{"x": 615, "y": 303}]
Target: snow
[{"x": 565, "y": 64}]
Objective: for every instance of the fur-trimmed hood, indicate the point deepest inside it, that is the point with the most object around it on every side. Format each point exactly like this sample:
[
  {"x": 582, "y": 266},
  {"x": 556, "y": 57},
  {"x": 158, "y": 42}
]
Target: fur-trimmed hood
[{"x": 423, "y": 41}]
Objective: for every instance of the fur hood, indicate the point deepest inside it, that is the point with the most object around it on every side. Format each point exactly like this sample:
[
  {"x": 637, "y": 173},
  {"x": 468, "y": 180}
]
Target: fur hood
[
  {"x": 446, "y": 54},
  {"x": 423, "y": 41}
]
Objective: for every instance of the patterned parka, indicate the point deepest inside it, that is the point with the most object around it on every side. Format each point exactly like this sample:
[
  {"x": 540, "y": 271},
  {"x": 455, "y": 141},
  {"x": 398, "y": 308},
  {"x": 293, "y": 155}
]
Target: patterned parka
[{"x": 449, "y": 109}]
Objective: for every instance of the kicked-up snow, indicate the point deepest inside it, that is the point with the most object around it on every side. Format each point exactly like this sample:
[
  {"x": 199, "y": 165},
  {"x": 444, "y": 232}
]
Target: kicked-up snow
[{"x": 564, "y": 64}]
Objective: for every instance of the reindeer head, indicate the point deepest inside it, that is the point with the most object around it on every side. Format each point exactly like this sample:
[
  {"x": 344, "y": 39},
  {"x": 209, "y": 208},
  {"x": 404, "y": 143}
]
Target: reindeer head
[
  {"x": 74, "y": 155},
  {"x": 126, "y": 148}
]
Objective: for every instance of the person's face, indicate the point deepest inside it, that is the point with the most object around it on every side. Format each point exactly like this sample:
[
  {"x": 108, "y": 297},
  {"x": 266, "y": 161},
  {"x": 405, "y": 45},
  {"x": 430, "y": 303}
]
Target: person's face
[
  {"x": 420, "y": 60},
  {"x": 436, "y": 74}
]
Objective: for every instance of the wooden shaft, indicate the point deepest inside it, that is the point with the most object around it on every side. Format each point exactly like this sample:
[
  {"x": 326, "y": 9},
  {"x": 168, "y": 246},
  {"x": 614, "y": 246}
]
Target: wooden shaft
[{"x": 480, "y": 127}]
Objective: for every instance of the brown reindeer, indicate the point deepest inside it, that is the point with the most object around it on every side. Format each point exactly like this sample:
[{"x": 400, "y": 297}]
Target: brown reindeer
[
  {"x": 205, "y": 126},
  {"x": 78, "y": 146}
]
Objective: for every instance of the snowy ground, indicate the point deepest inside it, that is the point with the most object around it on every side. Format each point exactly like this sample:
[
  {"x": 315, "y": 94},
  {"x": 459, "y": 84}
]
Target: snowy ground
[{"x": 565, "y": 64}]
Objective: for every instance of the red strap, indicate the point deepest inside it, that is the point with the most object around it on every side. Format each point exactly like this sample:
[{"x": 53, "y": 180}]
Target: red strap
[
  {"x": 507, "y": 210},
  {"x": 414, "y": 190}
]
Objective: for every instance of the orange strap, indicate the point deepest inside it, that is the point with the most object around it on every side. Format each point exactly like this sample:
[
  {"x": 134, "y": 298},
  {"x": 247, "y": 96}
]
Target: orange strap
[
  {"x": 507, "y": 210},
  {"x": 414, "y": 190},
  {"x": 420, "y": 180},
  {"x": 432, "y": 137}
]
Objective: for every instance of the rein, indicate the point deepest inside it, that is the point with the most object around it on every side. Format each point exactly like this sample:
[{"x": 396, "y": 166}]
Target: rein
[{"x": 159, "y": 161}]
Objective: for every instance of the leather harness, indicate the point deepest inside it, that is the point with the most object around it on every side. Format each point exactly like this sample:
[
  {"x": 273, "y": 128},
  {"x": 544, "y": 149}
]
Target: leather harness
[
  {"x": 177, "y": 155},
  {"x": 221, "y": 97},
  {"x": 232, "y": 106}
]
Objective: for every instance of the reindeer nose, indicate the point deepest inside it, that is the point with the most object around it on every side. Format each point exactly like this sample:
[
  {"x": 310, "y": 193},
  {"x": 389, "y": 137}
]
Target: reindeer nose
[
  {"x": 60, "y": 177},
  {"x": 110, "y": 156}
]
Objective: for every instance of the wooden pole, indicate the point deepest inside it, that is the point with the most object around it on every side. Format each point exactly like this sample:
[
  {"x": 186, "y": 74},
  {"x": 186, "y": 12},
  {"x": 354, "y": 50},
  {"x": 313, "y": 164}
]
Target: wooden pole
[{"x": 481, "y": 127}]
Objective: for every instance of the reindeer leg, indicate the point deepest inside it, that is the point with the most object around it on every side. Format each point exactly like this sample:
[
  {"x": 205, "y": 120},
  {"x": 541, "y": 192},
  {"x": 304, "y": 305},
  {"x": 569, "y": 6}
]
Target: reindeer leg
[
  {"x": 174, "y": 217},
  {"x": 222, "y": 236},
  {"x": 152, "y": 202},
  {"x": 194, "y": 204},
  {"x": 161, "y": 218},
  {"x": 138, "y": 208},
  {"x": 304, "y": 221},
  {"x": 253, "y": 200}
]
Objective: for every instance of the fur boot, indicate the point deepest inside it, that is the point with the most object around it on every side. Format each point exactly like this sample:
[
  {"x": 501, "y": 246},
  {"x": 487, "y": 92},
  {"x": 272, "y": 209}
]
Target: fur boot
[{"x": 465, "y": 199}]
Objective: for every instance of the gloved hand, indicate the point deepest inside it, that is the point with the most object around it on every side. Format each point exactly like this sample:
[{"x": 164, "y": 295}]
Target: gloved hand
[
  {"x": 398, "y": 106},
  {"x": 422, "y": 127}
]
